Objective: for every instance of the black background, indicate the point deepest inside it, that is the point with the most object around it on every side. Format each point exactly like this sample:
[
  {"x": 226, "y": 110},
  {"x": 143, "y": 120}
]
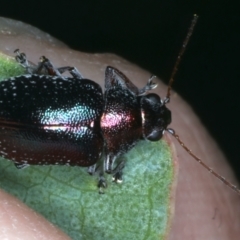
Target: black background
[{"x": 150, "y": 33}]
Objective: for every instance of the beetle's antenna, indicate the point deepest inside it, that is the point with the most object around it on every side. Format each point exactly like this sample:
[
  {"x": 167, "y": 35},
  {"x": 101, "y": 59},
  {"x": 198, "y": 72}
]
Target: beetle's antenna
[
  {"x": 167, "y": 99},
  {"x": 221, "y": 178},
  {"x": 180, "y": 54}
]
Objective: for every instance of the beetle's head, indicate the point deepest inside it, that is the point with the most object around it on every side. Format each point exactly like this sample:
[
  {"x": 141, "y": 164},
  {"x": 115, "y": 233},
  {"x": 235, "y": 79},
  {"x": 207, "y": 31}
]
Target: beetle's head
[{"x": 155, "y": 116}]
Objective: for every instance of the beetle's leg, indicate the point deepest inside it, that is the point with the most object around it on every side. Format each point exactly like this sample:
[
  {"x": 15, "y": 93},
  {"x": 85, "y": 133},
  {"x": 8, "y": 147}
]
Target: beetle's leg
[
  {"x": 20, "y": 165},
  {"x": 117, "y": 172},
  {"x": 44, "y": 66},
  {"x": 21, "y": 58},
  {"x": 48, "y": 66},
  {"x": 92, "y": 169},
  {"x": 58, "y": 71},
  {"x": 72, "y": 70},
  {"x": 149, "y": 86},
  {"x": 109, "y": 162},
  {"x": 101, "y": 183}
]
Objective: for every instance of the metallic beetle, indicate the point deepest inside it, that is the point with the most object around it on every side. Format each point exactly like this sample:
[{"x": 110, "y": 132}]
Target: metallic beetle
[{"x": 51, "y": 119}]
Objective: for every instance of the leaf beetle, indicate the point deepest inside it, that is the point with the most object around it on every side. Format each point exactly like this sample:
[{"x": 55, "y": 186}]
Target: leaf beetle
[{"x": 51, "y": 119}]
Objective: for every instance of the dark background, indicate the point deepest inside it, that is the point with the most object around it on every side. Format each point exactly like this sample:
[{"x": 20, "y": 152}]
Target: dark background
[{"x": 150, "y": 33}]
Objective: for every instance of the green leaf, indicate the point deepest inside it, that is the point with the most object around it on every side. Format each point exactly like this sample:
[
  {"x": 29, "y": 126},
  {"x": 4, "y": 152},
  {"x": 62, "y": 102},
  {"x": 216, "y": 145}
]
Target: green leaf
[
  {"x": 139, "y": 208},
  {"x": 9, "y": 67}
]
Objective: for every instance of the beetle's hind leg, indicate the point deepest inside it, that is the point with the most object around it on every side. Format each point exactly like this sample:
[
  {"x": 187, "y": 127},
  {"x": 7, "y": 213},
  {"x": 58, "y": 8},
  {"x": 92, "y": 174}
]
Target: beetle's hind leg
[
  {"x": 21, "y": 58},
  {"x": 59, "y": 71},
  {"x": 45, "y": 66},
  {"x": 72, "y": 70}
]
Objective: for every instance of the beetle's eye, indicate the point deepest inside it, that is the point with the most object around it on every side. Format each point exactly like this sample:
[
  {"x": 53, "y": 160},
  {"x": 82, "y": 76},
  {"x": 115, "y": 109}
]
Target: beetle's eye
[
  {"x": 154, "y": 136},
  {"x": 154, "y": 98}
]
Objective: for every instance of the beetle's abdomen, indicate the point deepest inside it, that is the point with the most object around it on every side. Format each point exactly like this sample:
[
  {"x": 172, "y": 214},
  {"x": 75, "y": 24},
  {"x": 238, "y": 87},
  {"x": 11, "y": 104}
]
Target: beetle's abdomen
[{"x": 50, "y": 120}]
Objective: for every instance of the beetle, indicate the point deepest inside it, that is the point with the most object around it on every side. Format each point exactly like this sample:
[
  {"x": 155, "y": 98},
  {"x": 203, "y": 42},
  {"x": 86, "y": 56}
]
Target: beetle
[
  {"x": 46, "y": 118},
  {"x": 51, "y": 119}
]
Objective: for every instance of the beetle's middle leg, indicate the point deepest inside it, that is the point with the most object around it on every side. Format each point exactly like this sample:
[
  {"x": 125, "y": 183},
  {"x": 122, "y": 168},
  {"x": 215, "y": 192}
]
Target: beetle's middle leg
[
  {"x": 102, "y": 183},
  {"x": 115, "y": 172}
]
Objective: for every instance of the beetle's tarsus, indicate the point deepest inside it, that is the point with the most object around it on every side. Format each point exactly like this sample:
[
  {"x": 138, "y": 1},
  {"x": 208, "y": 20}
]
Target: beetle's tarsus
[
  {"x": 101, "y": 183},
  {"x": 92, "y": 169},
  {"x": 21, "y": 58},
  {"x": 21, "y": 165}
]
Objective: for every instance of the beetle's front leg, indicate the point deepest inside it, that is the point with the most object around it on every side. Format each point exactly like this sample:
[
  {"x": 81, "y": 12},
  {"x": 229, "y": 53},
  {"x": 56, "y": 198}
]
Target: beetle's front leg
[{"x": 148, "y": 87}]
